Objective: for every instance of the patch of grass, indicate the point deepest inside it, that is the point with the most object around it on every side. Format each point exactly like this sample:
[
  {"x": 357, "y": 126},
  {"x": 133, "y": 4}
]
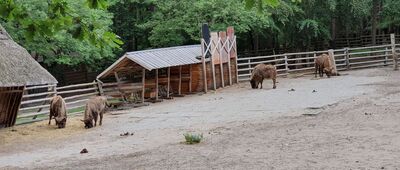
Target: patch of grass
[{"x": 193, "y": 138}]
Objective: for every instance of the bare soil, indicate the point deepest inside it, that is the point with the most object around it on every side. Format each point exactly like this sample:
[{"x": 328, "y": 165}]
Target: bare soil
[{"x": 345, "y": 122}]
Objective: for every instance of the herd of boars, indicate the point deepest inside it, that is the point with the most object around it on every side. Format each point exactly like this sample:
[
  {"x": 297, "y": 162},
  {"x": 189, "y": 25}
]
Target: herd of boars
[
  {"x": 260, "y": 72},
  {"x": 95, "y": 108}
]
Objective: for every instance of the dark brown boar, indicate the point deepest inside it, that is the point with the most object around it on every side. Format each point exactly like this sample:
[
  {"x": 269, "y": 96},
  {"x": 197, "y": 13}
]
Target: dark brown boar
[
  {"x": 95, "y": 107},
  {"x": 261, "y": 72},
  {"x": 58, "y": 110}
]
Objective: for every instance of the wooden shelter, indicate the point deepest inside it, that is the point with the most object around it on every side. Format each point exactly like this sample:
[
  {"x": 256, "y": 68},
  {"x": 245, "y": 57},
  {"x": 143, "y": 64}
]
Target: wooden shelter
[
  {"x": 170, "y": 71},
  {"x": 17, "y": 71},
  {"x": 175, "y": 70}
]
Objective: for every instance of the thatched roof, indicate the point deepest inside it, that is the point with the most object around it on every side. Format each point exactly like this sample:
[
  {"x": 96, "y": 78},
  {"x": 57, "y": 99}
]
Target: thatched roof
[{"x": 17, "y": 67}]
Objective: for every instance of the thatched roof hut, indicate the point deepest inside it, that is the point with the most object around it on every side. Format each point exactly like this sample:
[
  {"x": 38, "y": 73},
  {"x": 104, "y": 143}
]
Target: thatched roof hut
[
  {"x": 17, "y": 66},
  {"x": 17, "y": 70}
]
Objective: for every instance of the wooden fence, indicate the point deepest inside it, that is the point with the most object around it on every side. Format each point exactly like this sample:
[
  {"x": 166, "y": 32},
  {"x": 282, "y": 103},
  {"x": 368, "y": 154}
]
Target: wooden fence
[
  {"x": 303, "y": 62},
  {"x": 35, "y": 101}
]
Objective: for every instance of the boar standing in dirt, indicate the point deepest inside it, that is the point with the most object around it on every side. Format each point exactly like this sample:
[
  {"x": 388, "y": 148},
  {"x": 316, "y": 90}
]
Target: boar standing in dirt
[
  {"x": 95, "y": 107},
  {"x": 323, "y": 65},
  {"x": 58, "y": 110},
  {"x": 261, "y": 72}
]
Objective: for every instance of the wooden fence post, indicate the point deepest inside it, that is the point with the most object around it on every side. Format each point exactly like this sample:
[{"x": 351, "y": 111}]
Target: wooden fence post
[
  {"x": 286, "y": 64},
  {"x": 395, "y": 59},
  {"x": 347, "y": 55},
  {"x": 386, "y": 56},
  {"x": 333, "y": 61},
  {"x": 249, "y": 66},
  {"x": 203, "y": 61},
  {"x": 221, "y": 63},
  {"x": 100, "y": 87}
]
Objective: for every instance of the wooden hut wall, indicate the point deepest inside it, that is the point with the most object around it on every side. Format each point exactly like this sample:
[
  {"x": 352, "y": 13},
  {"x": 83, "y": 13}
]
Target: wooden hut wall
[
  {"x": 197, "y": 76},
  {"x": 10, "y": 100}
]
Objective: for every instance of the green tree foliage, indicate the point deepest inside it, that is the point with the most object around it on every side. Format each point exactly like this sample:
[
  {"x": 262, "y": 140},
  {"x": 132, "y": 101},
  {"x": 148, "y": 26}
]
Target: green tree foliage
[{"x": 67, "y": 32}]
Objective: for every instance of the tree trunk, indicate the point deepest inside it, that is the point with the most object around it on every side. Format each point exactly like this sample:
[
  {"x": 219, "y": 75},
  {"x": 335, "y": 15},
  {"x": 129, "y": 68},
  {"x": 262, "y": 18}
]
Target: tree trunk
[
  {"x": 333, "y": 33},
  {"x": 374, "y": 19}
]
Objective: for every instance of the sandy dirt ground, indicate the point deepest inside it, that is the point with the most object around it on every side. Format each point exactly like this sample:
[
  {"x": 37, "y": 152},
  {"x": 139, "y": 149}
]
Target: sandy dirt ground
[{"x": 345, "y": 122}]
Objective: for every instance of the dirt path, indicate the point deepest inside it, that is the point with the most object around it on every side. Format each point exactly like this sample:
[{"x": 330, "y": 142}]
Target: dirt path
[{"x": 357, "y": 127}]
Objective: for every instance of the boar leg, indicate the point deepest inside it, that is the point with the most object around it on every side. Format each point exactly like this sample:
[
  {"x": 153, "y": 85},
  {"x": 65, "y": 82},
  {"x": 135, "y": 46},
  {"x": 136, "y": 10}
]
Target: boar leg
[
  {"x": 316, "y": 69},
  {"x": 321, "y": 72},
  {"x": 101, "y": 118},
  {"x": 50, "y": 118},
  {"x": 95, "y": 118},
  {"x": 274, "y": 81},
  {"x": 261, "y": 83}
]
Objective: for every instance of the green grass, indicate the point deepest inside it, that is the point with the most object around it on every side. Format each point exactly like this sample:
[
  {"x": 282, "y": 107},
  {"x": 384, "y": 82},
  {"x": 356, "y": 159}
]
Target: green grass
[{"x": 193, "y": 138}]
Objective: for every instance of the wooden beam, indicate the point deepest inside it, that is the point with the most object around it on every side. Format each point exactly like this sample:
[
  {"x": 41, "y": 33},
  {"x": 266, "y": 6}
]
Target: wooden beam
[
  {"x": 169, "y": 80},
  {"x": 180, "y": 81},
  {"x": 333, "y": 61},
  {"x": 221, "y": 63},
  {"x": 190, "y": 78},
  {"x": 156, "y": 84},
  {"x": 143, "y": 83},
  {"x": 395, "y": 59},
  {"x": 229, "y": 64},
  {"x": 119, "y": 85},
  {"x": 203, "y": 61}
]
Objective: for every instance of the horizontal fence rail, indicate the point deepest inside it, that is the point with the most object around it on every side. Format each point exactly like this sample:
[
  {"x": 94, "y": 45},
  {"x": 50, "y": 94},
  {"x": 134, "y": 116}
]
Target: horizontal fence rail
[
  {"x": 35, "y": 104},
  {"x": 303, "y": 62}
]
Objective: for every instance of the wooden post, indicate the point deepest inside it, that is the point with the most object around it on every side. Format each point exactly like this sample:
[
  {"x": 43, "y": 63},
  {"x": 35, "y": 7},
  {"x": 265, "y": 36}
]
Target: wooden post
[
  {"x": 213, "y": 70},
  {"x": 203, "y": 61},
  {"x": 315, "y": 56},
  {"x": 143, "y": 83},
  {"x": 229, "y": 61},
  {"x": 221, "y": 63},
  {"x": 190, "y": 78},
  {"x": 119, "y": 86},
  {"x": 169, "y": 80},
  {"x": 156, "y": 84},
  {"x": 236, "y": 59},
  {"x": 249, "y": 66},
  {"x": 347, "y": 55},
  {"x": 180, "y": 81},
  {"x": 386, "y": 56},
  {"x": 100, "y": 87},
  {"x": 395, "y": 59},
  {"x": 286, "y": 64},
  {"x": 333, "y": 61}
]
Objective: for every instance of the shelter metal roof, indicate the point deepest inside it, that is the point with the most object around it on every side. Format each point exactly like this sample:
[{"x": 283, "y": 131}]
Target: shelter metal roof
[{"x": 161, "y": 58}]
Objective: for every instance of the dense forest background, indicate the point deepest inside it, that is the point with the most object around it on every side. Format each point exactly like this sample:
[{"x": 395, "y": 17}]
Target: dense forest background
[{"x": 91, "y": 34}]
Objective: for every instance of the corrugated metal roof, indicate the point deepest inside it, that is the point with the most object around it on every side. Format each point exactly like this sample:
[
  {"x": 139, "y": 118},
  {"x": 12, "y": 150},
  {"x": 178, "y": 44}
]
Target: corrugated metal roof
[
  {"x": 161, "y": 57},
  {"x": 166, "y": 57}
]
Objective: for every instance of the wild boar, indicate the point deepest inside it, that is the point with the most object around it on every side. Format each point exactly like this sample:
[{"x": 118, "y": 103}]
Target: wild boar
[
  {"x": 261, "y": 72},
  {"x": 58, "y": 110},
  {"x": 95, "y": 107}
]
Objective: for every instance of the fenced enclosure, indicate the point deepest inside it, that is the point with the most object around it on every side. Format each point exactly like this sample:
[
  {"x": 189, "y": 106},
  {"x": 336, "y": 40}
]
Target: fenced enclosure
[
  {"x": 303, "y": 62},
  {"x": 36, "y": 100}
]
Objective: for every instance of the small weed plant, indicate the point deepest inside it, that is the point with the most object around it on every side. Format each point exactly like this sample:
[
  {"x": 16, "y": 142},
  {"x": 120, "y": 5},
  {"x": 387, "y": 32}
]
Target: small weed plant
[{"x": 193, "y": 138}]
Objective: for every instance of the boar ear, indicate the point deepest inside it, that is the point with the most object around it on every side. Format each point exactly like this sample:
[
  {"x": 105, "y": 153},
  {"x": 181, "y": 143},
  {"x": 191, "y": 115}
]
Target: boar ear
[{"x": 82, "y": 120}]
